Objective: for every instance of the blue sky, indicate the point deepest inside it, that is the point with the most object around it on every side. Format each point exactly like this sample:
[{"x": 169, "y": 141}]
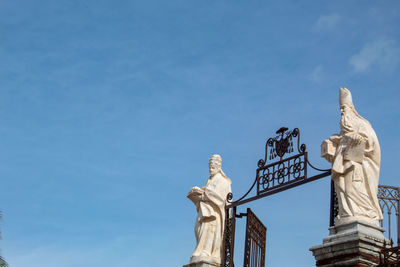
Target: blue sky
[{"x": 109, "y": 111}]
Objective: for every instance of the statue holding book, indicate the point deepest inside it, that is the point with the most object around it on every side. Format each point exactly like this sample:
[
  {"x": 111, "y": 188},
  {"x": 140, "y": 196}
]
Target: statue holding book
[
  {"x": 210, "y": 203},
  {"x": 355, "y": 156}
]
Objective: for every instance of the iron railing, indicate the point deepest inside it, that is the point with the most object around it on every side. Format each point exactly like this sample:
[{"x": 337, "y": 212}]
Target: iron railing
[{"x": 389, "y": 202}]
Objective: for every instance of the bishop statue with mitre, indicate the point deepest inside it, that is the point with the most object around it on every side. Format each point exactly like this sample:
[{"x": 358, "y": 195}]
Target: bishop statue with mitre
[{"x": 355, "y": 156}]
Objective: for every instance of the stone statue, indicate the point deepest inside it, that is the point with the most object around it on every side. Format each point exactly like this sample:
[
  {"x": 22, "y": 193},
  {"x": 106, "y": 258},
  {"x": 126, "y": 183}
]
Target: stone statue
[
  {"x": 210, "y": 204},
  {"x": 355, "y": 156}
]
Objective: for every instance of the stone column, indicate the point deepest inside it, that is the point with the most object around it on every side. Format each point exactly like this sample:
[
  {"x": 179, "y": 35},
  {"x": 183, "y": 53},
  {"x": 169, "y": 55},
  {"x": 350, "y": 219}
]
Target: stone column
[{"x": 352, "y": 244}]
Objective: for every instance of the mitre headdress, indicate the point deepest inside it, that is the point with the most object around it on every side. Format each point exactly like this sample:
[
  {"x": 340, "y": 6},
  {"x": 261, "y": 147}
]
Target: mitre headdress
[
  {"x": 345, "y": 97},
  {"x": 216, "y": 158}
]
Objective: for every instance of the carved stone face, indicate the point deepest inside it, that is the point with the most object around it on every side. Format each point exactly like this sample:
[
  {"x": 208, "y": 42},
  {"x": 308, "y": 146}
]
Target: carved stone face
[
  {"x": 214, "y": 167},
  {"x": 344, "y": 109},
  {"x": 348, "y": 119}
]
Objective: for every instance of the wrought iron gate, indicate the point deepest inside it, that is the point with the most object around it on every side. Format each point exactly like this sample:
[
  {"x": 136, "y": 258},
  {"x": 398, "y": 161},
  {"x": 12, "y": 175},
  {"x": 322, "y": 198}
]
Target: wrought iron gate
[
  {"x": 255, "y": 242},
  {"x": 278, "y": 171},
  {"x": 256, "y": 234}
]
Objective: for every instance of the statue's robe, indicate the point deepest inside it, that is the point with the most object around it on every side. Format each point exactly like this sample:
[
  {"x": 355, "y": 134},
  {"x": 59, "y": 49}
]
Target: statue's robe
[
  {"x": 209, "y": 228},
  {"x": 356, "y": 183}
]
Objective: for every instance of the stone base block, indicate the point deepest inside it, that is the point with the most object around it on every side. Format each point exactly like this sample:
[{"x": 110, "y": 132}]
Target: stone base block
[
  {"x": 352, "y": 244},
  {"x": 202, "y": 264}
]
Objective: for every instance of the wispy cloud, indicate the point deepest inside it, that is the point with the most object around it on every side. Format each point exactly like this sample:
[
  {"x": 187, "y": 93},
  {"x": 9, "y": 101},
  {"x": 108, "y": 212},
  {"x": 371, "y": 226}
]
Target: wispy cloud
[
  {"x": 327, "y": 22},
  {"x": 383, "y": 54},
  {"x": 317, "y": 74}
]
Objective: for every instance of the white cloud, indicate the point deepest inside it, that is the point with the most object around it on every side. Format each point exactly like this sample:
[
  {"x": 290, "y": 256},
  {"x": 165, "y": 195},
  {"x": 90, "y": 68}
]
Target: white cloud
[
  {"x": 327, "y": 22},
  {"x": 317, "y": 74},
  {"x": 384, "y": 54}
]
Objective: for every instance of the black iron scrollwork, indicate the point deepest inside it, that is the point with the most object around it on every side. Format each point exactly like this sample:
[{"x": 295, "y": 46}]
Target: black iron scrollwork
[
  {"x": 285, "y": 171},
  {"x": 281, "y": 144},
  {"x": 229, "y": 197},
  {"x": 288, "y": 171}
]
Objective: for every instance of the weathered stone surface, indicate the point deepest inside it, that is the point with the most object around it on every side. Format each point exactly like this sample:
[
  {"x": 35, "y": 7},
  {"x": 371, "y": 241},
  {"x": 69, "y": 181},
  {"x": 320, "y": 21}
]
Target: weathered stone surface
[{"x": 353, "y": 244}]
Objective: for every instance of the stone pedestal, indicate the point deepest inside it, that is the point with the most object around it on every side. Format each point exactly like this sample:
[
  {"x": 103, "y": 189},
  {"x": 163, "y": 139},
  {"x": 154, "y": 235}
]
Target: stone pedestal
[
  {"x": 202, "y": 264},
  {"x": 352, "y": 244}
]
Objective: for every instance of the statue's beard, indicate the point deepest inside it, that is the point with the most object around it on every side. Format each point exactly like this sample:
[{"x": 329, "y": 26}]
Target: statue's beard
[{"x": 347, "y": 122}]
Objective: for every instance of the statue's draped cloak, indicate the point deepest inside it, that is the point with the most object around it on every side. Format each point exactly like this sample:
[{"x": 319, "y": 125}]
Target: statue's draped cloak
[
  {"x": 356, "y": 183},
  {"x": 209, "y": 228}
]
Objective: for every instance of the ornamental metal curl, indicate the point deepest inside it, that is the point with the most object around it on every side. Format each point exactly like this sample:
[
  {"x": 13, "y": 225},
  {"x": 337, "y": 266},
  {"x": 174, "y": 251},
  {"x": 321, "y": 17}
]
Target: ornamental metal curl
[
  {"x": 281, "y": 145},
  {"x": 287, "y": 172}
]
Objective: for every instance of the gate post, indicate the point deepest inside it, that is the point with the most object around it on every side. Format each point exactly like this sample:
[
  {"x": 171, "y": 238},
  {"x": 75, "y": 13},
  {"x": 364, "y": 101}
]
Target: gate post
[
  {"x": 229, "y": 237},
  {"x": 355, "y": 244}
]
